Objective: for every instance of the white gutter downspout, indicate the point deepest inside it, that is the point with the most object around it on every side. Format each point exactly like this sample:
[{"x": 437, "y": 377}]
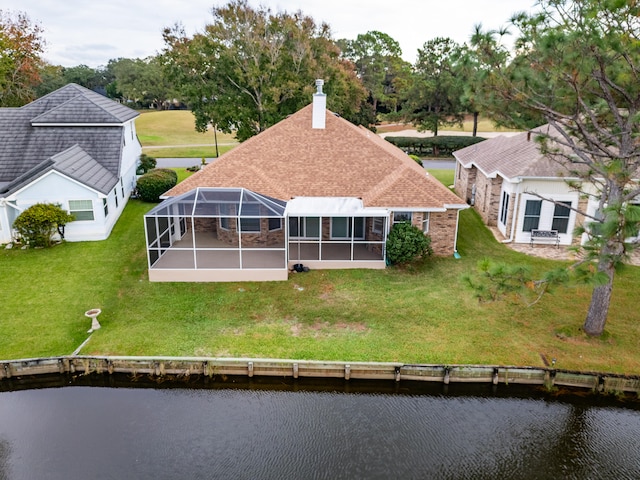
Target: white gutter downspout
[{"x": 455, "y": 238}]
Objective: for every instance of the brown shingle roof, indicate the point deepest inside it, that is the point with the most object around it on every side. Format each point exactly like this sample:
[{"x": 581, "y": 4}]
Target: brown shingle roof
[{"x": 291, "y": 159}]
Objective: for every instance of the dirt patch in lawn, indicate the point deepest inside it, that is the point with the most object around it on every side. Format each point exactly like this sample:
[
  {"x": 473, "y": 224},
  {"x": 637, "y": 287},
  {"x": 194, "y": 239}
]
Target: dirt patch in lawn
[{"x": 326, "y": 329}]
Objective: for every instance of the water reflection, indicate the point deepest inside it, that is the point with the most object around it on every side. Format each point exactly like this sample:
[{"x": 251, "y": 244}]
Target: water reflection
[{"x": 269, "y": 431}]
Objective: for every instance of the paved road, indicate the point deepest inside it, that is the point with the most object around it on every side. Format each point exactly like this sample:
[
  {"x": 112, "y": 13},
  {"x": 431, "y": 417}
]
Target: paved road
[
  {"x": 180, "y": 162},
  {"x": 440, "y": 164},
  {"x": 415, "y": 133}
]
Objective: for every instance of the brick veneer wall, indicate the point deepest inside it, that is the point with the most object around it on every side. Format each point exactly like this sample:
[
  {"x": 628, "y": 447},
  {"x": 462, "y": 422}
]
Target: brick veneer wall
[
  {"x": 487, "y": 201},
  {"x": 464, "y": 181},
  {"x": 250, "y": 240},
  {"x": 442, "y": 230}
]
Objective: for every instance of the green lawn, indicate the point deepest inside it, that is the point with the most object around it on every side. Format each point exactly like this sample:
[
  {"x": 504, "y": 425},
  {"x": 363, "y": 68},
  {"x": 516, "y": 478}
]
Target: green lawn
[
  {"x": 171, "y": 133},
  {"x": 424, "y": 315}
]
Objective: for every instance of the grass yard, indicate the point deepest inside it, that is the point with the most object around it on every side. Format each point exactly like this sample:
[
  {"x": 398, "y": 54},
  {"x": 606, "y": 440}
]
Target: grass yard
[
  {"x": 171, "y": 133},
  {"x": 424, "y": 315}
]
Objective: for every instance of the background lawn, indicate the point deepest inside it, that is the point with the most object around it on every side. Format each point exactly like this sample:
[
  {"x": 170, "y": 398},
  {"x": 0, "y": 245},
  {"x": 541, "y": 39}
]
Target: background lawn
[
  {"x": 421, "y": 315},
  {"x": 171, "y": 133}
]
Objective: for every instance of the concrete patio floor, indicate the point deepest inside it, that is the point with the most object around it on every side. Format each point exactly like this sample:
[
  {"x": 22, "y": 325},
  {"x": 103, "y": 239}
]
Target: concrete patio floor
[{"x": 549, "y": 251}]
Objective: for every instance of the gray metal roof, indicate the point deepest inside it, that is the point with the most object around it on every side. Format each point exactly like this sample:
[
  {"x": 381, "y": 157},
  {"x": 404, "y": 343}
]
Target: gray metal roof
[{"x": 60, "y": 119}]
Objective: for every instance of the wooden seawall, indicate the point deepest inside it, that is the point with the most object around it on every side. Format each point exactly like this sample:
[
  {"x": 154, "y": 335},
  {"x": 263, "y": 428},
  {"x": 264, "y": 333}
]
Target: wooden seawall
[{"x": 250, "y": 367}]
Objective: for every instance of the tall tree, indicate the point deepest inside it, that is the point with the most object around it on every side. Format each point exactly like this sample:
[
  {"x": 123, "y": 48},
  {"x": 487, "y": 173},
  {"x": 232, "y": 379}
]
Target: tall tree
[
  {"x": 434, "y": 97},
  {"x": 251, "y": 68},
  {"x": 476, "y": 64},
  {"x": 84, "y": 75},
  {"x": 377, "y": 58},
  {"x": 578, "y": 66},
  {"x": 51, "y": 78},
  {"x": 483, "y": 63},
  {"x": 21, "y": 45},
  {"x": 142, "y": 81}
]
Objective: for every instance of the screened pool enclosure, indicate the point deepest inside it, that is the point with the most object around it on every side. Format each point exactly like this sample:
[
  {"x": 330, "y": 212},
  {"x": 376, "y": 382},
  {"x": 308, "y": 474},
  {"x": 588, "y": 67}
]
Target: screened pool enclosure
[{"x": 233, "y": 234}]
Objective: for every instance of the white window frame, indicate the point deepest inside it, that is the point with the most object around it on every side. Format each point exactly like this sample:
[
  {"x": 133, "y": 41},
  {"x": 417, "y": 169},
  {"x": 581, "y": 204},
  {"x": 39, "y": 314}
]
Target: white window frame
[
  {"x": 525, "y": 216},
  {"x": 302, "y": 225},
  {"x": 350, "y": 229},
  {"x": 425, "y": 222},
  {"x": 504, "y": 208},
  {"x": 250, "y": 225},
  {"x": 279, "y": 227},
  {"x": 568, "y": 206},
  {"x": 76, "y": 206},
  {"x": 410, "y": 219},
  {"x": 226, "y": 220},
  {"x": 377, "y": 229}
]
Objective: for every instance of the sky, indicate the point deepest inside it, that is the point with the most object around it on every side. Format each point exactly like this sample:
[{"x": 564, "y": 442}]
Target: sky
[{"x": 78, "y": 32}]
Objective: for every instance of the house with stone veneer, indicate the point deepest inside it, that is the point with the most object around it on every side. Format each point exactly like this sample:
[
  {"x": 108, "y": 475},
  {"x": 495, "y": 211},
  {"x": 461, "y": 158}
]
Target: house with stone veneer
[
  {"x": 516, "y": 188},
  {"x": 72, "y": 147},
  {"x": 313, "y": 190}
]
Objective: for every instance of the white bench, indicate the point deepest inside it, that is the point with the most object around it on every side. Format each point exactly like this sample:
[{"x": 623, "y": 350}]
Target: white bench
[{"x": 545, "y": 236}]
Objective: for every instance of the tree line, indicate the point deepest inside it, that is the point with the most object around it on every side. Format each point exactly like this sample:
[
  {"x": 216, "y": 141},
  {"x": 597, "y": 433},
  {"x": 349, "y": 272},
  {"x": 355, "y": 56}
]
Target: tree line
[
  {"x": 251, "y": 67},
  {"x": 575, "y": 65}
]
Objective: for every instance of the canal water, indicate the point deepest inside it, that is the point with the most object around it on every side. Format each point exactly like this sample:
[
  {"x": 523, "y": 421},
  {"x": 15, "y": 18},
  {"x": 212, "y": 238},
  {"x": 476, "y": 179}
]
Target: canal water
[{"x": 307, "y": 430}]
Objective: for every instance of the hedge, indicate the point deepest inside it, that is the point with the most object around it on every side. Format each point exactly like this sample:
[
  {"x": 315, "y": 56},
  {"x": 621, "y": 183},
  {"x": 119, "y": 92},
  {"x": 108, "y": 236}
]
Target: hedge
[
  {"x": 436, "y": 146},
  {"x": 154, "y": 183}
]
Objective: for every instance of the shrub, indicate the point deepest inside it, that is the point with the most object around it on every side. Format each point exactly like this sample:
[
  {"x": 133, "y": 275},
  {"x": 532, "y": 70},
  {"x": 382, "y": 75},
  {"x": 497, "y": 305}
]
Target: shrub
[
  {"x": 147, "y": 163},
  {"x": 38, "y": 223},
  {"x": 416, "y": 159},
  {"x": 154, "y": 183},
  {"x": 407, "y": 244}
]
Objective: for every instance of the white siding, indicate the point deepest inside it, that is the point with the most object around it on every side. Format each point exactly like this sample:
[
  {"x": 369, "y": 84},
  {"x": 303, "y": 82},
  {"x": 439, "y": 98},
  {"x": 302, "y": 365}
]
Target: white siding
[
  {"x": 130, "y": 154},
  {"x": 5, "y": 232},
  {"x": 546, "y": 216},
  {"x": 56, "y": 188},
  {"x": 510, "y": 189}
]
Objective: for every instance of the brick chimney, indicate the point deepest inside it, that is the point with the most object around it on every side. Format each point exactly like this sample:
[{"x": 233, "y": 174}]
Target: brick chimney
[{"x": 319, "y": 106}]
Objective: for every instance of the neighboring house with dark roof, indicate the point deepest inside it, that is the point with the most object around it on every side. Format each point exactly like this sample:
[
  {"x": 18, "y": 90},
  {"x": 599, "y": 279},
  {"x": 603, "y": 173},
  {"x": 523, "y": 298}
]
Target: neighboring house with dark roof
[
  {"x": 72, "y": 147},
  {"x": 504, "y": 178},
  {"x": 312, "y": 190}
]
